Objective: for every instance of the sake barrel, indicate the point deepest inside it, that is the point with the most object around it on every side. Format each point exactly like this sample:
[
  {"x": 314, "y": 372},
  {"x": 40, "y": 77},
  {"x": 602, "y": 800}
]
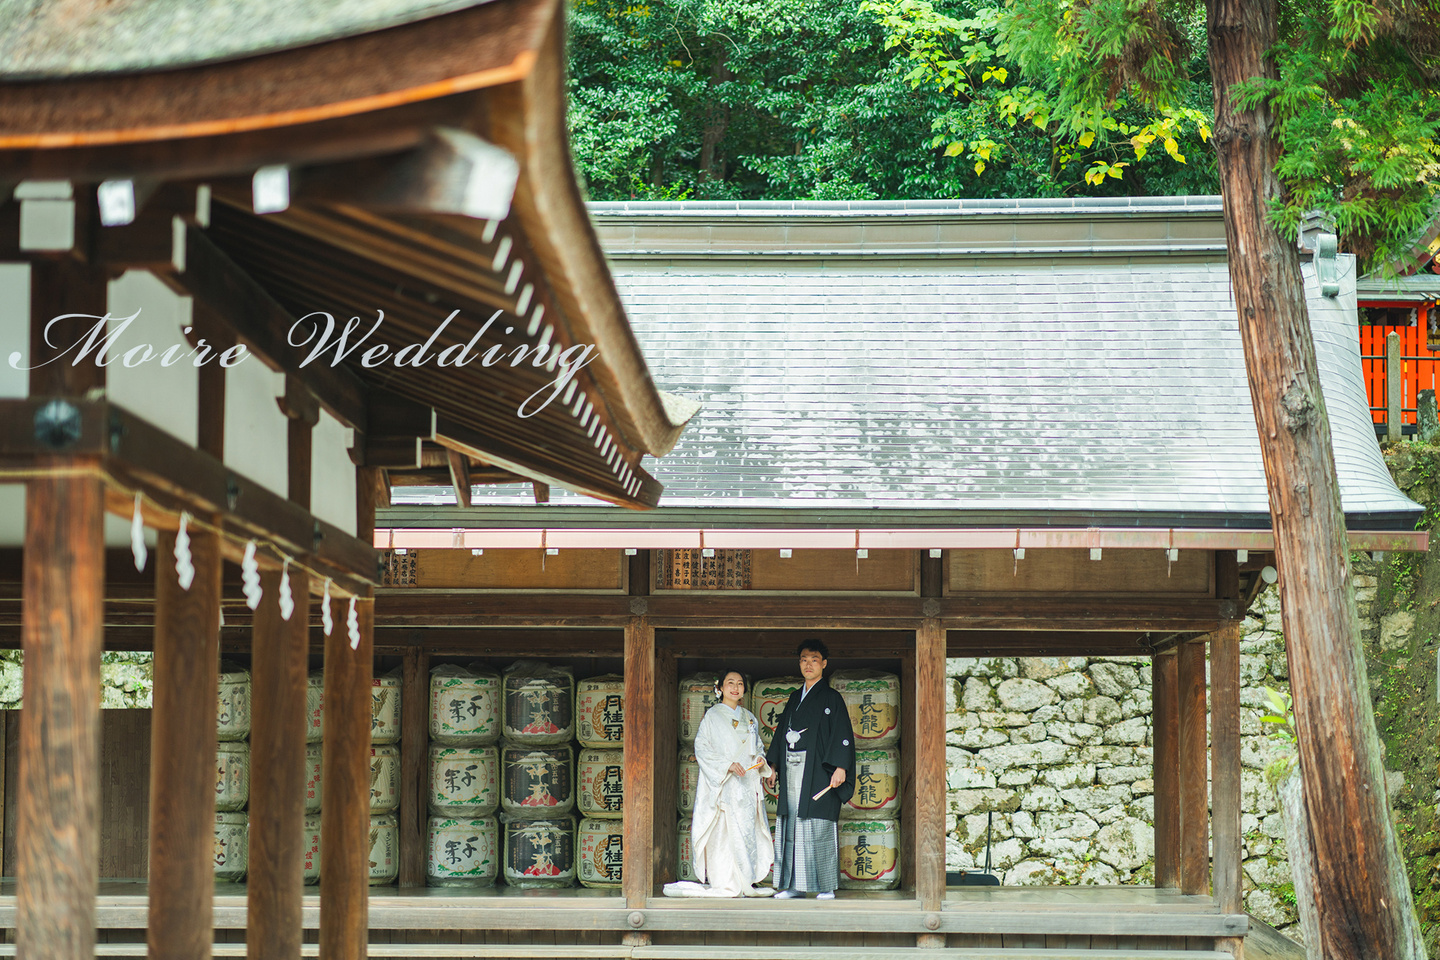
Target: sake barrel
[
  {"x": 314, "y": 764},
  {"x": 385, "y": 708},
  {"x": 686, "y": 868},
  {"x": 384, "y": 778},
  {"x": 315, "y": 707},
  {"x": 232, "y": 845},
  {"x": 697, "y": 694},
  {"x": 537, "y": 782},
  {"x": 767, "y": 701},
  {"x": 311, "y": 857},
  {"x": 873, "y": 699},
  {"x": 464, "y": 781},
  {"x": 232, "y": 713},
  {"x": 539, "y": 703},
  {"x": 463, "y": 852},
  {"x": 540, "y": 853},
  {"x": 464, "y": 705},
  {"x": 877, "y": 786},
  {"x": 600, "y": 711},
  {"x": 600, "y": 784},
  {"x": 869, "y": 854},
  {"x": 232, "y": 775},
  {"x": 384, "y": 849},
  {"x": 602, "y": 852},
  {"x": 689, "y": 774}
]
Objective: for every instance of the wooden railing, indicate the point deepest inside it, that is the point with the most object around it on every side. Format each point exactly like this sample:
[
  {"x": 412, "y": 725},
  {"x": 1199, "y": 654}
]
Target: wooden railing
[{"x": 1398, "y": 365}]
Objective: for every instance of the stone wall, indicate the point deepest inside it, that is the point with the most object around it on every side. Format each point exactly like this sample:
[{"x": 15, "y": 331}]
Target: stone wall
[{"x": 1058, "y": 752}]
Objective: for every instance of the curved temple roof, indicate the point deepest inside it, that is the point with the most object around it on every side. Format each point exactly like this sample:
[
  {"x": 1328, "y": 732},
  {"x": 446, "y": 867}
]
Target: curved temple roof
[{"x": 910, "y": 365}]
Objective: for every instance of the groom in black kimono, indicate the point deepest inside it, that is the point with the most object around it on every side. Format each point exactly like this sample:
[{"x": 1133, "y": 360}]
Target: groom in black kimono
[{"x": 813, "y": 755}]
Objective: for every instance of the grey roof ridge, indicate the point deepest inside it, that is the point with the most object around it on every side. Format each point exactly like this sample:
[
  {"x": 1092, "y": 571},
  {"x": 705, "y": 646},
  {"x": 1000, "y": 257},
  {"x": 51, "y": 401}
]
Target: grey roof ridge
[{"x": 1083, "y": 206}]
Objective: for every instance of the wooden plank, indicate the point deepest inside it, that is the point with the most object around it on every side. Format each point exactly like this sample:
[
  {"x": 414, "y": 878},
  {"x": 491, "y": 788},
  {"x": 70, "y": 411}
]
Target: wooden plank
[
  {"x": 345, "y": 814},
  {"x": 588, "y": 570},
  {"x": 1060, "y": 572},
  {"x": 640, "y": 753},
  {"x": 63, "y": 294},
  {"x": 275, "y": 882},
  {"x": 183, "y": 751},
  {"x": 1225, "y": 767},
  {"x": 12, "y": 784},
  {"x": 459, "y": 476},
  {"x": 125, "y": 795},
  {"x": 909, "y": 729},
  {"x": 1166, "y": 767},
  {"x": 58, "y": 796},
  {"x": 930, "y": 798},
  {"x": 414, "y": 765},
  {"x": 829, "y": 571},
  {"x": 1193, "y": 768},
  {"x": 667, "y": 733}
]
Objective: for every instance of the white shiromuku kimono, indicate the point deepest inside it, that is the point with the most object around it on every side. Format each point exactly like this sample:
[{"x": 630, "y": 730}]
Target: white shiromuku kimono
[{"x": 730, "y": 843}]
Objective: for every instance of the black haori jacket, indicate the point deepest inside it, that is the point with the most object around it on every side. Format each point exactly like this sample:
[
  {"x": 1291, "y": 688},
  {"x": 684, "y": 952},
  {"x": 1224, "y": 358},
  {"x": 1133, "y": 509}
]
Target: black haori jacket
[{"x": 828, "y": 743}]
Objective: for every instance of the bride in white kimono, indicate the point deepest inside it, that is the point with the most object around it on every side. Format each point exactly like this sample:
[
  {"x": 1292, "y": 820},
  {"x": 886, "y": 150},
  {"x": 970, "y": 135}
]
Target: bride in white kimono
[{"x": 730, "y": 843}]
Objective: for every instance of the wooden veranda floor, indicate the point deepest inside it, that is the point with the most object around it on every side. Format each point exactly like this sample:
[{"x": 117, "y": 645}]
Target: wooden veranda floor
[{"x": 1045, "y": 923}]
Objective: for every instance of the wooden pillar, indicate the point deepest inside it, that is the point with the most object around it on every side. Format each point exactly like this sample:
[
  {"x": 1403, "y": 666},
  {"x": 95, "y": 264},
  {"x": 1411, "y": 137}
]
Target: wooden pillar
[
  {"x": 58, "y": 798},
  {"x": 640, "y": 748},
  {"x": 929, "y": 810},
  {"x": 276, "y": 878},
  {"x": 182, "y": 752},
  {"x": 414, "y": 765},
  {"x": 1225, "y": 765},
  {"x": 1164, "y": 671},
  {"x": 1194, "y": 789},
  {"x": 345, "y": 814}
]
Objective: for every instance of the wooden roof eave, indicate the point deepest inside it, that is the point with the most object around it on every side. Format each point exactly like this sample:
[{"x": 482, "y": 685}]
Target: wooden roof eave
[{"x": 528, "y": 119}]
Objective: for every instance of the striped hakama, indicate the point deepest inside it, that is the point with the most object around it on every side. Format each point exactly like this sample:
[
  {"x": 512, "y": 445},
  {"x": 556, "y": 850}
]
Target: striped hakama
[{"x": 807, "y": 852}]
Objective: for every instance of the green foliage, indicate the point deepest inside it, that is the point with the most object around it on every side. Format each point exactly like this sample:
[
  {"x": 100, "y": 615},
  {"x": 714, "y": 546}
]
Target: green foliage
[
  {"x": 1358, "y": 118},
  {"x": 1282, "y": 720}
]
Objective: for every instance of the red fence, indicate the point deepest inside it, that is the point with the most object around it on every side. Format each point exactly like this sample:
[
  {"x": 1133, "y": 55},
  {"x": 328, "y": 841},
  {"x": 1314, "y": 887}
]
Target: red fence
[{"x": 1420, "y": 368}]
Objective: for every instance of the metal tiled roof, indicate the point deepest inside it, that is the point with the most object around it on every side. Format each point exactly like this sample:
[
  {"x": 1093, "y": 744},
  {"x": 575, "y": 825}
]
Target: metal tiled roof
[{"x": 1001, "y": 390}]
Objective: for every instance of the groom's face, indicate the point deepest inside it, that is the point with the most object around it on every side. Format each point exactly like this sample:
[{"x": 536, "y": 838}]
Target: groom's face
[{"x": 812, "y": 665}]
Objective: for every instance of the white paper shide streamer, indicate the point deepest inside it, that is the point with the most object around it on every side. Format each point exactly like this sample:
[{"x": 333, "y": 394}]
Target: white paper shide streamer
[
  {"x": 353, "y": 622},
  {"x": 184, "y": 563},
  {"x": 137, "y": 536},
  {"x": 287, "y": 597},
  {"x": 326, "y": 619},
  {"x": 250, "y": 577}
]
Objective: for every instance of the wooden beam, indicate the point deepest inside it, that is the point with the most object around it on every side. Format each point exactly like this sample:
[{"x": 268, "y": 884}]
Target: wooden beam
[
  {"x": 263, "y": 325},
  {"x": 182, "y": 752},
  {"x": 345, "y": 814},
  {"x": 930, "y": 800},
  {"x": 58, "y": 289},
  {"x": 1225, "y": 767},
  {"x": 1166, "y": 740},
  {"x": 1193, "y": 768},
  {"x": 451, "y": 172},
  {"x": 414, "y": 765},
  {"x": 279, "y": 665},
  {"x": 640, "y": 751},
  {"x": 58, "y": 796},
  {"x": 459, "y": 476}
]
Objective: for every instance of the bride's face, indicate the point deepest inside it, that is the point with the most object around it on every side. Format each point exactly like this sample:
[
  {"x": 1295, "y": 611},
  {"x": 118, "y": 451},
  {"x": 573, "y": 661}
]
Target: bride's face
[{"x": 732, "y": 688}]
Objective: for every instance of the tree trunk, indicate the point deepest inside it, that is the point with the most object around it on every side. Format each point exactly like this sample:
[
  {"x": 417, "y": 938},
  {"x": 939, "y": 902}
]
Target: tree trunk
[
  {"x": 1302, "y": 860},
  {"x": 1361, "y": 889}
]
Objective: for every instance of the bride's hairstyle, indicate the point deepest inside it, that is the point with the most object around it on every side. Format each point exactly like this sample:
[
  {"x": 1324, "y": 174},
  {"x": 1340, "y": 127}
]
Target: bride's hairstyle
[{"x": 744, "y": 682}]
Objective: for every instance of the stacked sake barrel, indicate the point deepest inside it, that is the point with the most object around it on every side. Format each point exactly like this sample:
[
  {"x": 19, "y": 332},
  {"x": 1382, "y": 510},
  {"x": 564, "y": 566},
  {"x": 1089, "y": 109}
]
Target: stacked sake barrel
[
  {"x": 600, "y": 777},
  {"x": 537, "y": 775},
  {"x": 384, "y": 835},
  {"x": 232, "y": 773},
  {"x": 464, "y": 777},
  {"x": 869, "y": 822},
  {"x": 767, "y": 702},
  {"x": 697, "y": 695}
]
